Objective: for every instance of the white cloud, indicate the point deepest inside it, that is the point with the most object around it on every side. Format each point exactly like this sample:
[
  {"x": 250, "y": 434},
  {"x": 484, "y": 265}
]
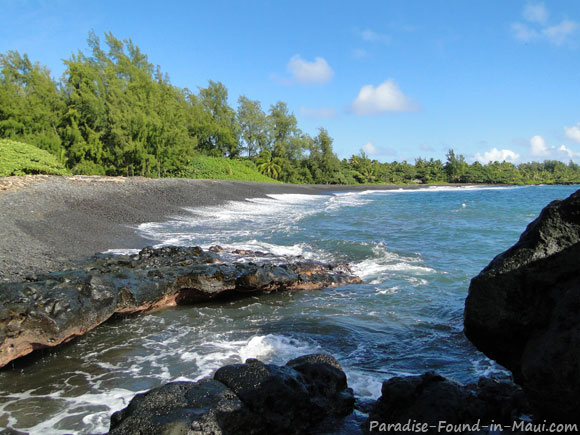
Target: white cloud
[
  {"x": 386, "y": 97},
  {"x": 539, "y": 30},
  {"x": 558, "y": 34},
  {"x": 370, "y": 36},
  {"x": 538, "y": 146},
  {"x": 567, "y": 151},
  {"x": 323, "y": 112},
  {"x": 535, "y": 13},
  {"x": 370, "y": 148},
  {"x": 573, "y": 132},
  {"x": 426, "y": 147},
  {"x": 305, "y": 72},
  {"x": 495, "y": 155}
]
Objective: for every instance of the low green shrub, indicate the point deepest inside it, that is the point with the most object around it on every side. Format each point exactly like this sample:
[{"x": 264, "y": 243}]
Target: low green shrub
[
  {"x": 17, "y": 158},
  {"x": 221, "y": 168}
]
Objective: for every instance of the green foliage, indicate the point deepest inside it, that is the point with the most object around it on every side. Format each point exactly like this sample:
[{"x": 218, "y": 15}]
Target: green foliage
[
  {"x": 31, "y": 105},
  {"x": 221, "y": 168},
  {"x": 254, "y": 126},
  {"x": 17, "y": 158},
  {"x": 115, "y": 113},
  {"x": 220, "y": 137},
  {"x": 268, "y": 165}
]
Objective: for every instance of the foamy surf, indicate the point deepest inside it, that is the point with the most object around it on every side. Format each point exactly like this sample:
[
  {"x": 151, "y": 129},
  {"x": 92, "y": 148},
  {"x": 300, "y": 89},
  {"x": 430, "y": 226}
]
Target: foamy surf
[
  {"x": 384, "y": 264},
  {"x": 233, "y": 220},
  {"x": 68, "y": 408}
]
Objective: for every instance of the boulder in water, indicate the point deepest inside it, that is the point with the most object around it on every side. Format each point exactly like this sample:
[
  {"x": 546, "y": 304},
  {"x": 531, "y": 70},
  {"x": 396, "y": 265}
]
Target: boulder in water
[
  {"x": 523, "y": 310},
  {"x": 250, "y": 398}
]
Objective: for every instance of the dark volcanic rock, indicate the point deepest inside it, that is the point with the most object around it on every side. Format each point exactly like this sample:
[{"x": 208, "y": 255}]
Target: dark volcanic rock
[
  {"x": 431, "y": 399},
  {"x": 250, "y": 398},
  {"x": 278, "y": 394},
  {"x": 326, "y": 382},
  {"x": 523, "y": 310},
  {"x": 54, "y": 308},
  {"x": 204, "y": 407}
]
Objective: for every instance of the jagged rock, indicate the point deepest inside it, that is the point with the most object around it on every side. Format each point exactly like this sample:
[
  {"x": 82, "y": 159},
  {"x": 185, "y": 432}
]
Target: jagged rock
[
  {"x": 203, "y": 407},
  {"x": 50, "y": 309},
  {"x": 326, "y": 382},
  {"x": 278, "y": 394},
  {"x": 430, "y": 399},
  {"x": 250, "y": 398},
  {"x": 523, "y": 310}
]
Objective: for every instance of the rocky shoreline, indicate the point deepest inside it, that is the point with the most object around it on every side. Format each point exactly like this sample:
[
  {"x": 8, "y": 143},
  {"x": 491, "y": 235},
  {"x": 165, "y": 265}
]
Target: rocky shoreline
[
  {"x": 249, "y": 398},
  {"x": 47, "y": 310},
  {"x": 522, "y": 310}
]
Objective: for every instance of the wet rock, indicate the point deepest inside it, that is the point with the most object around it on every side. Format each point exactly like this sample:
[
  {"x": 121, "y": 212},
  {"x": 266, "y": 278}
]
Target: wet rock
[
  {"x": 50, "y": 309},
  {"x": 278, "y": 394},
  {"x": 250, "y": 398},
  {"x": 523, "y": 310},
  {"x": 430, "y": 399},
  {"x": 203, "y": 407},
  {"x": 326, "y": 382}
]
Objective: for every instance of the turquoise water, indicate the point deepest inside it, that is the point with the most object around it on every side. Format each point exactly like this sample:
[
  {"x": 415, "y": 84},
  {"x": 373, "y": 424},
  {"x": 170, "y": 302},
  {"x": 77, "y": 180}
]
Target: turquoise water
[{"x": 415, "y": 250}]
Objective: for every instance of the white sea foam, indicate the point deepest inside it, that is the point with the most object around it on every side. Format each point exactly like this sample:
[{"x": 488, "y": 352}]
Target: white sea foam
[
  {"x": 233, "y": 220},
  {"x": 487, "y": 368},
  {"x": 384, "y": 264},
  {"x": 449, "y": 188},
  {"x": 366, "y": 385},
  {"x": 121, "y": 251},
  {"x": 97, "y": 422},
  {"x": 213, "y": 354},
  {"x": 206, "y": 357},
  {"x": 348, "y": 199},
  {"x": 270, "y": 346},
  {"x": 388, "y": 290}
]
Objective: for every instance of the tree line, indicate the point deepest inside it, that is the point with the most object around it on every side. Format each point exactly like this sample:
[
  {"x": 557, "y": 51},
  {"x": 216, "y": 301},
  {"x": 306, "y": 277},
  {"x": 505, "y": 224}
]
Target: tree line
[{"x": 115, "y": 113}]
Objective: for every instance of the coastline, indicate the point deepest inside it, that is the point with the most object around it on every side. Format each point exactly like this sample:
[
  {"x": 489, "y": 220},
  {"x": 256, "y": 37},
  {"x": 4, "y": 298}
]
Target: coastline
[
  {"x": 275, "y": 330},
  {"x": 50, "y": 222}
]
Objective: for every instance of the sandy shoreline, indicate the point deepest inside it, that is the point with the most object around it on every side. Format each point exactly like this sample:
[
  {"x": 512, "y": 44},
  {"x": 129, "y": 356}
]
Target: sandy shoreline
[{"x": 47, "y": 222}]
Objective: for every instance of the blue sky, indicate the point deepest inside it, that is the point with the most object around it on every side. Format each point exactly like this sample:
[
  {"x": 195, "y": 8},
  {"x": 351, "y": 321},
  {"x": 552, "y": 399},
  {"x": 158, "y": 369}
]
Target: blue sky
[{"x": 491, "y": 79}]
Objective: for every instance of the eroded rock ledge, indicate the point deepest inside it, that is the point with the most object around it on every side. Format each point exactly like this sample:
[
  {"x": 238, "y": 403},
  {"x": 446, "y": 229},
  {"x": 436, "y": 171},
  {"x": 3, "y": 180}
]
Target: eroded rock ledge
[{"x": 50, "y": 309}]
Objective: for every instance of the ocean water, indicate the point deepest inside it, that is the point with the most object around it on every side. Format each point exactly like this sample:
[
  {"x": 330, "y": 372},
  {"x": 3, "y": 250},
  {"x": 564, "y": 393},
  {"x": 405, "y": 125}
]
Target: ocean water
[{"x": 416, "y": 251}]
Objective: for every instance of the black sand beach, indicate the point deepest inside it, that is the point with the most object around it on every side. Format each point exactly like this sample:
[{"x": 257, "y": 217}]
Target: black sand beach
[{"x": 49, "y": 222}]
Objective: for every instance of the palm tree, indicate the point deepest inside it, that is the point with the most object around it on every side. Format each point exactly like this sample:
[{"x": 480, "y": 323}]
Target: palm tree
[{"x": 267, "y": 165}]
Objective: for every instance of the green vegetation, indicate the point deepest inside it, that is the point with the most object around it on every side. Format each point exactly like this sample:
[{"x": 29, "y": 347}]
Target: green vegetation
[
  {"x": 18, "y": 158},
  {"x": 221, "y": 168},
  {"x": 457, "y": 170},
  {"x": 114, "y": 113}
]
